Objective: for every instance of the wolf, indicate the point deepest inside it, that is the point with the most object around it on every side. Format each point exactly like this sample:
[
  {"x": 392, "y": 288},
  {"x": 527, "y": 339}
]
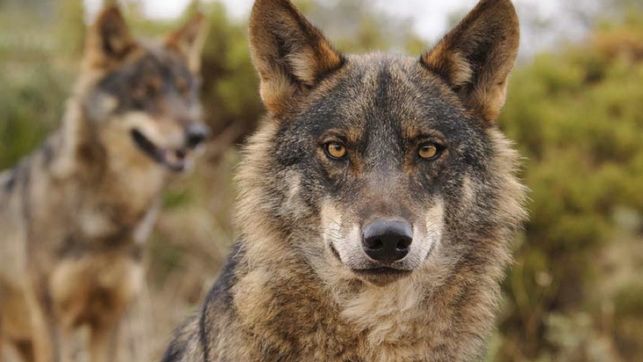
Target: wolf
[
  {"x": 74, "y": 214},
  {"x": 377, "y": 200}
]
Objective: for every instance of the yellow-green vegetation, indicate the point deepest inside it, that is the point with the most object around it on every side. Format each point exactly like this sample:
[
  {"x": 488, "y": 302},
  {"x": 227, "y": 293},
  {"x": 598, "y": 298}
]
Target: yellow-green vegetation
[{"x": 575, "y": 292}]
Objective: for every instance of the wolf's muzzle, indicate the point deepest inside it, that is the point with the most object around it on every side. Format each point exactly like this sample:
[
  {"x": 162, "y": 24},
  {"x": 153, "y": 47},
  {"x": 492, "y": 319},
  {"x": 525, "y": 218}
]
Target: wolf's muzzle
[
  {"x": 387, "y": 241},
  {"x": 196, "y": 134}
]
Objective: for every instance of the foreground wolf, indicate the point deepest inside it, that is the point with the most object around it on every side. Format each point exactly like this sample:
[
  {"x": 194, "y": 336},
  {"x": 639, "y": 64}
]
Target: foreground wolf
[
  {"x": 74, "y": 214},
  {"x": 377, "y": 201}
]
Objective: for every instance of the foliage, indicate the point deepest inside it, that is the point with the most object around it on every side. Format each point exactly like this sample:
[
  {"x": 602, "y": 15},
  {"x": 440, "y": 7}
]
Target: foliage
[
  {"x": 230, "y": 86},
  {"x": 575, "y": 291},
  {"x": 28, "y": 112},
  {"x": 577, "y": 117},
  {"x": 33, "y": 86}
]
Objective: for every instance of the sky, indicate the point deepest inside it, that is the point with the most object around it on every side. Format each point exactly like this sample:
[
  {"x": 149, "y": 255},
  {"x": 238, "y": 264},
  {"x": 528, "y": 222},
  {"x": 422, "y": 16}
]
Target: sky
[{"x": 430, "y": 17}]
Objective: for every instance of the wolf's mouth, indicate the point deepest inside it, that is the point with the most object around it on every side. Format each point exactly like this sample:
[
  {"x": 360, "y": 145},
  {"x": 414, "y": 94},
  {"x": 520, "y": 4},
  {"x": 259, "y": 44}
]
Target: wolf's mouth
[
  {"x": 379, "y": 275},
  {"x": 382, "y": 276},
  {"x": 175, "y": 160},
  {"x": 382, "y": 271}
]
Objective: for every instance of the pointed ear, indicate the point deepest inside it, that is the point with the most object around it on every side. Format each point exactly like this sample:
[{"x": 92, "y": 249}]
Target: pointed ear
[
  {"x": 476, "y": 57},
  {"x": 108, "y": 40},
  {"x": 188, "y": 41},
  {"x": 289, "y": 53}
]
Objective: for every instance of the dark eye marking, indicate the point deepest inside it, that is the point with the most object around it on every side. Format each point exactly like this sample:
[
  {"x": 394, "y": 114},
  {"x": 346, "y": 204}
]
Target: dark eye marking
[
  {"x": 182, "y": 85},
  {"x": 153, "y": 86}
]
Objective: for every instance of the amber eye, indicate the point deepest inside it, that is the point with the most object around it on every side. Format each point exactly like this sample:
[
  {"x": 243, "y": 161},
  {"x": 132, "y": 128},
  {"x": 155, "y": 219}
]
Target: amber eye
[
  {"x": 335, "y": 150},
  {"x": 429, "y": 151},
  {"x": 182, "y": 86},
  {"x": 154, "y": 85}
]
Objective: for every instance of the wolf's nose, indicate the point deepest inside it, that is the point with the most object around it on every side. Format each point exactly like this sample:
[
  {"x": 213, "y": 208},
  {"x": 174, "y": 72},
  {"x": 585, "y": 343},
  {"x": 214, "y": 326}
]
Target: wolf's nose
[
  {"x": 387, "y": 240},
  {"x": 196, "y": 134}
]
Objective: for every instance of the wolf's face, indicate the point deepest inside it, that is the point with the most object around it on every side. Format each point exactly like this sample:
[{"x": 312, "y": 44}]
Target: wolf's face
[
  {"x": 143, "y": 98},
  {"x": 387, "y": 155},
  {"x": 380, "y": 155}
]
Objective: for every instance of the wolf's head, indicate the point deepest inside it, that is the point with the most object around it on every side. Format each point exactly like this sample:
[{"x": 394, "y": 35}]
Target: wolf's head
[
  {"x": 141, "y": 99},
  {"x": 371, "y": 164}
]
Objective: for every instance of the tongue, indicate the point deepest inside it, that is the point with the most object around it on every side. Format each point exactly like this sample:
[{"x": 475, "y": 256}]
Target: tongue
[{"x": 175, "y": 159}]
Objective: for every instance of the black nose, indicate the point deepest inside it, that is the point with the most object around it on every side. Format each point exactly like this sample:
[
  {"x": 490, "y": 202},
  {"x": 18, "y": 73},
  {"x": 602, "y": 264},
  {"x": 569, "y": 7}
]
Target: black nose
[
  {"x": 196, "y": 134},
  {"x": 387, "y": 240}
]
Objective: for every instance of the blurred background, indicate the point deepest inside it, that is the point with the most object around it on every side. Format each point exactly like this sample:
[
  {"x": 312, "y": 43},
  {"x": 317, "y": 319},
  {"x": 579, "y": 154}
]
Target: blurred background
[{"x": 575, "y": 111}]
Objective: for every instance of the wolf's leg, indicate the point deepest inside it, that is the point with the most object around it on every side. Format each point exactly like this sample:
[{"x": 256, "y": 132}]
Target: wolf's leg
[
  {"x": 1, "y": 335},
  {"x": 25, "y": 351},
  {"x": 103, "y": 341},
  {"x": 44, "y": 349},
  {"x": 65, "y": 344},
  {"x": 23, "y": 347},
  {"x": 45, "y": 338}
]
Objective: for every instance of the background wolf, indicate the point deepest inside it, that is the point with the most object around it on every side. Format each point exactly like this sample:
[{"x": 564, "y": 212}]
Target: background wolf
[
  {"x": 377, "y": 200},
  {"x": 74, "y": 214}
]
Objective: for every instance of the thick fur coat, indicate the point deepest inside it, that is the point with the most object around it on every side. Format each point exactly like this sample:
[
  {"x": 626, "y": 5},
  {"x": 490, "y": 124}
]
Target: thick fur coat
[{"x": 350, "y": 141}]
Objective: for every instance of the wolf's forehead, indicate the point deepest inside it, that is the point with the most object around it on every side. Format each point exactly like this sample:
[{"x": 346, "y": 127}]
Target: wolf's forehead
[
  {"x": 151, "y": 66},
  {"x": 387, "y": 94}
]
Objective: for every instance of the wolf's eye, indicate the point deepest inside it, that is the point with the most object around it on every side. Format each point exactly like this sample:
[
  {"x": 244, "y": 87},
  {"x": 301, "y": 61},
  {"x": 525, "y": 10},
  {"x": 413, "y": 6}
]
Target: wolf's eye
[
  {"x": 155, "y": 85},
  {"x": 429, "y": 151},
  {"x": 182, "y": 86},
  {"x": 335, "y": 150},
  {"x": 147, "y": 89}
]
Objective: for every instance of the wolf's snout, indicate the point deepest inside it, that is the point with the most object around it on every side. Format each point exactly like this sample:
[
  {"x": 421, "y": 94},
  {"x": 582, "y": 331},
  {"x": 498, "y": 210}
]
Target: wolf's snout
[
  {"x": 196, "y": 134},
  {"x": 387, "y": 240}
]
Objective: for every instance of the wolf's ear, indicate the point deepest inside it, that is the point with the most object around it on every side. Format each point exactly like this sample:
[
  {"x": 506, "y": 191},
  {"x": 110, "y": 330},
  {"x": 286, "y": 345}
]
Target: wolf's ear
[
  {"x": 108, "y": 40},
  {"x": 476, "y": 57},
  {"x": 188, "y": 41},
  {"x": 290, "y": 54}
]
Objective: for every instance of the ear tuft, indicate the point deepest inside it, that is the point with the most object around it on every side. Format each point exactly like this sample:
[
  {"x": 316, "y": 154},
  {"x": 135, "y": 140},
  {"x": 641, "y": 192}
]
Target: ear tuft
[
  {"x": 290, "y": 54},
  {"x": 189, "y": 40},
  {"x": 476, "y": 57},
  {"x": 108, "y": 40}
]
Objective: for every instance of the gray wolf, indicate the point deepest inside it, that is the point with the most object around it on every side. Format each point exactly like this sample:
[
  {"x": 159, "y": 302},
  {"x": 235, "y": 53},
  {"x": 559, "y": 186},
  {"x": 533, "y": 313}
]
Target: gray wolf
[
  {"x": 377, "y": 200},
  {"x": 74, "y": 214}
]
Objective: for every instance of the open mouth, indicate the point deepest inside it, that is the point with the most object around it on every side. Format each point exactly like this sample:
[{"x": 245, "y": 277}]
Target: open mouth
[{"x": 175, "y": 160}]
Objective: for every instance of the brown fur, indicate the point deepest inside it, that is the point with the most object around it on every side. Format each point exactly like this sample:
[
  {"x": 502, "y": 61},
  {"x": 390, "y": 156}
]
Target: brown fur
[
  {"x": 293, "y": 288},
  {"x": 486, "y": 39},
  {"x": 310, "y": 55},
  {"x": 75, "y": 214},
  {"x": 188, "y": 41}
]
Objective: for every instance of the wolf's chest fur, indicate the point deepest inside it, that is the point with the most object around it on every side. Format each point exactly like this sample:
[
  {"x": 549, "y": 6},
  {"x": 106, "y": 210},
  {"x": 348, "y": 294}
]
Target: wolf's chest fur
[
  {"x": 305, "y": 321},
  {"x": 285, "y": 312}
]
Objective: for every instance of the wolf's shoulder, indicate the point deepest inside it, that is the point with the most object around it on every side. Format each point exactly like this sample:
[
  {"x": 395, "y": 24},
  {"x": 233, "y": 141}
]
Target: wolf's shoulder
[{"x": 193, "y": 340}]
